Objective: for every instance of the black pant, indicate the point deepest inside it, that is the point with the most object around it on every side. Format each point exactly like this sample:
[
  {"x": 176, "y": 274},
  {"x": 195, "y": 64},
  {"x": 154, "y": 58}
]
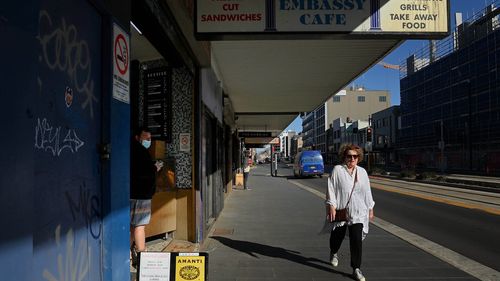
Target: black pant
[
  {"x": 245, "y": 179},
  {"x": 355, "y": 242}
]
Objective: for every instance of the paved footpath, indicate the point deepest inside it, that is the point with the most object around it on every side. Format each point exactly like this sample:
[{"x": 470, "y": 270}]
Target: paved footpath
[{"x": 271, "y": 233}]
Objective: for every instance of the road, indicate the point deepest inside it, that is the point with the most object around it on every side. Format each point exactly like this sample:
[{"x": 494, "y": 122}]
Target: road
[{"x": 464, "y": 221}]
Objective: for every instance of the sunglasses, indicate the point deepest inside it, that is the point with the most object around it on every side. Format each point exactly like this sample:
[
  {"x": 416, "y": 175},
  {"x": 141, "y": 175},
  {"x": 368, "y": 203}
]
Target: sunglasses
[{"x": 354, "y": 156}]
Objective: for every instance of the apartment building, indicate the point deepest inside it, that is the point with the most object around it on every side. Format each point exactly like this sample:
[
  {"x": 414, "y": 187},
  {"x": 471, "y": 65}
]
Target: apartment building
[
  {"x": 286, "y": 143},
  {"x": 356, "y": 103},
  {"x": 450, "y": 104},
  {"x": 385, "y": 132}
]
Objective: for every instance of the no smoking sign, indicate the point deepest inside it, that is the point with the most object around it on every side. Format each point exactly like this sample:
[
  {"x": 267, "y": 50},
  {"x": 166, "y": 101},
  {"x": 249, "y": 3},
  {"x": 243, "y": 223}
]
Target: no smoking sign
[
  {"x": 121, "y": 54},
  {"x": 121, "y": 58},
  {"x": 185, "y": 142}
]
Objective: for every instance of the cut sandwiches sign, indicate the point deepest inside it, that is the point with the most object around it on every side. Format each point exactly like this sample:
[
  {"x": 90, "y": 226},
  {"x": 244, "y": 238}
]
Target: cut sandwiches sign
[
  {"x": 231, "y": 16},
  {"x": 389, "y": 17}
]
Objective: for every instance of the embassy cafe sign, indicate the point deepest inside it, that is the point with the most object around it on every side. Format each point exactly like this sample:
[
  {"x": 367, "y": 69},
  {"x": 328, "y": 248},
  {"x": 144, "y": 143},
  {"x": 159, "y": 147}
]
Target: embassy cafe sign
[{"x": 221, "y": 19}]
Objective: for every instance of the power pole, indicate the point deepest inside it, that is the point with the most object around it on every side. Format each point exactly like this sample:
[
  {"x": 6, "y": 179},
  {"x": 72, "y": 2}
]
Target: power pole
[
  {"x": 441, "y": 147},
  {"x": 369, "y": 138}
]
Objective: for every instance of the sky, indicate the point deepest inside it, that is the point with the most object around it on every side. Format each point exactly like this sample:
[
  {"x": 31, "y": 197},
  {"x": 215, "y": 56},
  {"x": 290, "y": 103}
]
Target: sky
[{"x": 380, "y": 78}]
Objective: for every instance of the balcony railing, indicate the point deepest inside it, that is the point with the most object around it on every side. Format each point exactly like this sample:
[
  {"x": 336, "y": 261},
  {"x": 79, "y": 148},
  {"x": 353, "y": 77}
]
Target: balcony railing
[{"x": 476, "y": 27}]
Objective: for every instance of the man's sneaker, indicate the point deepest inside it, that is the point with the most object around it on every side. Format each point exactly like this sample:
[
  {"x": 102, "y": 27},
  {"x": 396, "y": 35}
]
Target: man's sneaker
[
  {"x": 358, "y": 275},
  {"x": 334, "y": 259}
]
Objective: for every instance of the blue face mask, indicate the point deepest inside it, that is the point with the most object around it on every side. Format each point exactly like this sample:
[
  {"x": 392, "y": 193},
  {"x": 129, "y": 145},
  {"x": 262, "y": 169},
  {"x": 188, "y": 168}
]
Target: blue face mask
[{"x": 146, "y": 143}]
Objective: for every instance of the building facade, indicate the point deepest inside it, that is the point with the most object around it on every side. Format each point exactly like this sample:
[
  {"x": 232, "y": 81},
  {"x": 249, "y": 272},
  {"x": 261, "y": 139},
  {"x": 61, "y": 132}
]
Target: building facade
[
  {"x": 308, "y": 130},
  {"x": 286, "y": 138},
  {"x": 385, "y": 132},
  {"x": 356, "y": 104},
  {"x": 450, "y": 106},
  {"x": 84, "y": 77},
  {"x": 339, "y": 112},
  {"x": 296, "y": 146}
]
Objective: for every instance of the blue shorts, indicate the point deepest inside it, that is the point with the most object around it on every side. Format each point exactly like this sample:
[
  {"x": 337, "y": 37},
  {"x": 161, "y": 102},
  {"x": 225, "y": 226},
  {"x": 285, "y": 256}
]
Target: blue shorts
[{"x": 140, "y": 212}]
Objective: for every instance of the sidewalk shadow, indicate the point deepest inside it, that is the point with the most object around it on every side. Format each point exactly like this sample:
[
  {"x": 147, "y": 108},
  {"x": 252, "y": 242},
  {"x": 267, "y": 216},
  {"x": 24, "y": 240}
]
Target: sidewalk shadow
[{"x": 252, "y": 249}]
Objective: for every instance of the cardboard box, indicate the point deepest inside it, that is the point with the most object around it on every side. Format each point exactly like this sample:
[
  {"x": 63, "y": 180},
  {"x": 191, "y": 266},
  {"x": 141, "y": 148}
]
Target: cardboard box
[
  {"x": 157, "y": 149},
  {"x": 165, "y": 179},
  {"x": 239, "y": 179}
]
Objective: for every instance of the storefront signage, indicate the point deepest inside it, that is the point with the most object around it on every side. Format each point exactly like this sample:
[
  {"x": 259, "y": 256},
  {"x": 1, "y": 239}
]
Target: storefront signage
[
  {"x": 154, "y": 266},
  {"x": 190, "y": 267},
  {"x": 165, "y": 266},
  {"x": 185, "y": 142},
  {"x": 121, "y": 62},
  {"x": 404, "y": 18},
  {"x": 157, "y": 103},
  {"x": 231, "y": 16},
  {"x": 254, "y": 134}
]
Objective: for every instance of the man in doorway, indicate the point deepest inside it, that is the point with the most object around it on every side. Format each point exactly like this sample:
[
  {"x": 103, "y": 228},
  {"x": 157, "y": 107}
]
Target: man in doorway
[{"x": 142, "y": 187}]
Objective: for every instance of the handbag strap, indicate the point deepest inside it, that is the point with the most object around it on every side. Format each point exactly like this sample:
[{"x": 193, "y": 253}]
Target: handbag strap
[{"x": 354, "y": 184}]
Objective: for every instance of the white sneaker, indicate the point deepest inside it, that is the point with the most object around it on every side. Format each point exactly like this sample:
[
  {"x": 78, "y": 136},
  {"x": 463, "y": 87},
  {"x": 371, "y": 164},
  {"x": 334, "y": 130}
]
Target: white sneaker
[
  {"x": 358, "y": 275},
  {"x": 334, "y": 259}
]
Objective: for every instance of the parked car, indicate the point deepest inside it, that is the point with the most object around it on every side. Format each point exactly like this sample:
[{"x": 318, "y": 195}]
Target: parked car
[{"x": 308, "y": 163}]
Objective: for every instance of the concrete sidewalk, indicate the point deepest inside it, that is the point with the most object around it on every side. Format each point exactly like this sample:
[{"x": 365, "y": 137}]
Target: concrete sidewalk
[{"x": 271, "y": 233}]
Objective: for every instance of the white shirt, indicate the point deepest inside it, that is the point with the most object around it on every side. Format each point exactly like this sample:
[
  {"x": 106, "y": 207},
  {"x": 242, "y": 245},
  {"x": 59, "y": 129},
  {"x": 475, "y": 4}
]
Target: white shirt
[{"x": 340, "y": 184}]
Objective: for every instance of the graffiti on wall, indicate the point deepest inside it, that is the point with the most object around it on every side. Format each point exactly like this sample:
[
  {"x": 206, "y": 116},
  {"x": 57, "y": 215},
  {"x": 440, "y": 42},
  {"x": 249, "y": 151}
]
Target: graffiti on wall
[
  {"x": 48, "y": 138},
  {"x": 62, "y": 50},
  {"x": 73, "y": 261},
  {"x": 87, "y": 207}
]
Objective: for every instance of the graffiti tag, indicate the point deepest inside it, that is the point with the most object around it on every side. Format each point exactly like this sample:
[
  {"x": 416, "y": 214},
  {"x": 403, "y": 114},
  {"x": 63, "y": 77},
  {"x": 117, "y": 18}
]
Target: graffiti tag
[
  {"x": 48, "y": 138},
  {"x": 62, "y": 50},
  {"x": 87, "y": 206},
  {"x": 72, "y": 266}
]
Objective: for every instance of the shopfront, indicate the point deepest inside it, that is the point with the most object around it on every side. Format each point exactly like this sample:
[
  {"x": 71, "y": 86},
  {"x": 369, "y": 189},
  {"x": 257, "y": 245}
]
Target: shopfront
[
  {"x": 163, "y": 94},
  {"x": 61, "y": 186}
]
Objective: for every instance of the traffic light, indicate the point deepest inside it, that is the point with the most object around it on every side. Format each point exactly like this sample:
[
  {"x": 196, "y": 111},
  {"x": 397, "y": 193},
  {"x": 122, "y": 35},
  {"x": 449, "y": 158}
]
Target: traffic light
[{"x": 369, "y": 134}]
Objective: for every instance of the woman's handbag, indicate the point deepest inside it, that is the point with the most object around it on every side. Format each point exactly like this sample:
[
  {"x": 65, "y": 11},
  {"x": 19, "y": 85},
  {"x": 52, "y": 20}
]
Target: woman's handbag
[{"x": 342, "y": 214}]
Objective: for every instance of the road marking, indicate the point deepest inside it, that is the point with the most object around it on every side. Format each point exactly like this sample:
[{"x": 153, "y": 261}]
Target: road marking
[
  {"x": 438, "y": 199},
  {"x": 307, "y": 188},
  {"x": 457, "y": 260}
]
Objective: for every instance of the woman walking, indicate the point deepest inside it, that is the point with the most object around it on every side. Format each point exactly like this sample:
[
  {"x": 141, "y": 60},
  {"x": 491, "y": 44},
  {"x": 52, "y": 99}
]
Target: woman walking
[{"x": 349, "y": 187}]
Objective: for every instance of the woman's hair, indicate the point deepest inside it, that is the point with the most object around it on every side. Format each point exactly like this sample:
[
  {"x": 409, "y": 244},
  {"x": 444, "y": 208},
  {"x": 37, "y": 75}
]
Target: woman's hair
[{"x": 349, "y": 146}]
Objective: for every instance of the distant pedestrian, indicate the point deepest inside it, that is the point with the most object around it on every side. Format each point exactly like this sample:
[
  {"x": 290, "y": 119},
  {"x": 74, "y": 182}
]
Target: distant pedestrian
[
  {"x": 246, "y": 171},
  {"x": 349, "y": 183}
]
